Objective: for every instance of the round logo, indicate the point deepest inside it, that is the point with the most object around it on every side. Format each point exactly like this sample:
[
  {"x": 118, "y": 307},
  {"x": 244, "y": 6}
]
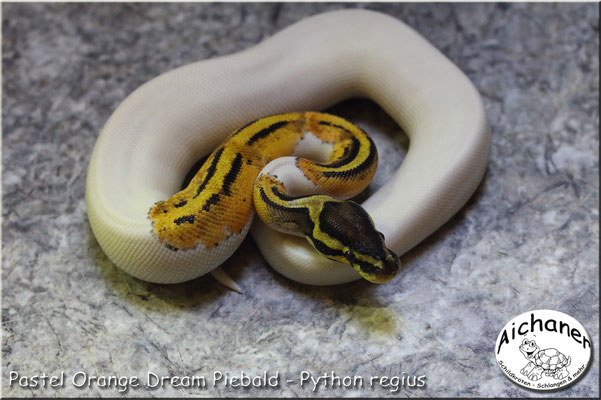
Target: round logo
[{"x": 543, "y": 350}]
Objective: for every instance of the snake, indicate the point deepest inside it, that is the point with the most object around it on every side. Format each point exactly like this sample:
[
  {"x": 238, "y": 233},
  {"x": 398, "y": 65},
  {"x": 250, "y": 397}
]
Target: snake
[{"x": 271, "y": 152}]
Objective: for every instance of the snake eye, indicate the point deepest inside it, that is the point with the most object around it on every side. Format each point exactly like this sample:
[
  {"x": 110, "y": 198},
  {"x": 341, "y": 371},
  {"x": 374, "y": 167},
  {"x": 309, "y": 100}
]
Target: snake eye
[{"x": 350, "y": 256}]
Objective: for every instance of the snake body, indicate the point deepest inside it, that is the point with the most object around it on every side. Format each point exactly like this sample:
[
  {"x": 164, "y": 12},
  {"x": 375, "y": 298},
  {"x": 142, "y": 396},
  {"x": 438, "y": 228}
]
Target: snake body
[
  {"x": 160, "y": 130},
  {"x": 218, "y": 202}
]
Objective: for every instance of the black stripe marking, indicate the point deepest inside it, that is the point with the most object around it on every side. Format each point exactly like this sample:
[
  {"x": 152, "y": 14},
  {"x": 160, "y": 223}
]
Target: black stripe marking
[
  {"x": 303, "y": 219},
  {"x": 280, "y": 207},
  {"x": 324, "y": 249},
  {"x": 366, "y": 164},
  {"x": 185, "y": 219},
  {"x": 286, "y": 197},
  {"x": 326, "y": 123},
  {"x": 369, "y": 269},
  {"x": 244, "y": 127},
  {"x": 232, "y": 174},
  {"x": 214, "y": 199},
  {"x": 181, "y": 204},
  {"x": 228, "y": 181},
  {"x": 266, "y": 131},
  {"x": 353, "y": 152},
  {"x": 210, "y": 172}
]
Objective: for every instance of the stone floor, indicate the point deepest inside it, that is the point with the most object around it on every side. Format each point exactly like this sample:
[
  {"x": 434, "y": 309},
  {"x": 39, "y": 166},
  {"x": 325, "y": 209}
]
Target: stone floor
[{"x": 528, "y": 239}]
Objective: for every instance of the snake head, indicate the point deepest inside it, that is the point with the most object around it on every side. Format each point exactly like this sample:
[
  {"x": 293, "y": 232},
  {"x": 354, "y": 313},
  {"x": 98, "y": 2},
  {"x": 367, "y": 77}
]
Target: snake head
[{"x": 353, "y": 233}]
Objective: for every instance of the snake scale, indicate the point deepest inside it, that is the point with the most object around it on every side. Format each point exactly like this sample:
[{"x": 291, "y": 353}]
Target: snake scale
[{"x": 255, "y": 99}]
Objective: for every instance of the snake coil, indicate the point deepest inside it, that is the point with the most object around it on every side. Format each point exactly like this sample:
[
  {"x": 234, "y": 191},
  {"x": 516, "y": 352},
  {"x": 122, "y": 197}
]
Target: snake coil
[{"x": 163, "y": 127}]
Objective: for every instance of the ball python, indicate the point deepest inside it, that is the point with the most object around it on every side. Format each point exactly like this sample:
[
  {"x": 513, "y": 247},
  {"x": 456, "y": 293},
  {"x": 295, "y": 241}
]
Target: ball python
[{"x": 161, "y": 129}]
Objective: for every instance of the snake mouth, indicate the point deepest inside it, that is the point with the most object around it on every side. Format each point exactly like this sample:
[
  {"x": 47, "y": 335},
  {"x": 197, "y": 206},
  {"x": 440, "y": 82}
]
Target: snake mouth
[
  {"x": 390, "y": 267},
  {"x": 377, "y": 274}
]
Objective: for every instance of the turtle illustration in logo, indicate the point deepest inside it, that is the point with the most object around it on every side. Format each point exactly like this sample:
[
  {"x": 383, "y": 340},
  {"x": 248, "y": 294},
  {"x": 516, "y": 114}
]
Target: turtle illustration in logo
[{"x": 548, "y": 361}]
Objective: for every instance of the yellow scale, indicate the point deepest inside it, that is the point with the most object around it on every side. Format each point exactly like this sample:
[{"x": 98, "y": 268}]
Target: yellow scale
[{"x": 218, "y": 202}]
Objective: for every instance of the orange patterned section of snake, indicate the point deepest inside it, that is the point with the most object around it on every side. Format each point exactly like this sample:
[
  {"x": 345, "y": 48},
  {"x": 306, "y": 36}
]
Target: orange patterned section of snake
[
  {"x": 353, "y": 161},
  {"x": 218, "y": 201}
]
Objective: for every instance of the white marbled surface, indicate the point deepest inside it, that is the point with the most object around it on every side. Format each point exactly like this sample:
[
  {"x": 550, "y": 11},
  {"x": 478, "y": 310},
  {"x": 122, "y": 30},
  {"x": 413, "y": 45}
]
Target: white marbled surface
[{"x": 528, "y": 239}]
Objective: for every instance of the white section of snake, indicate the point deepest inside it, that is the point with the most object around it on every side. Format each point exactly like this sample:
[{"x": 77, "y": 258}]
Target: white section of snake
[{"x": 160, "y": 130}]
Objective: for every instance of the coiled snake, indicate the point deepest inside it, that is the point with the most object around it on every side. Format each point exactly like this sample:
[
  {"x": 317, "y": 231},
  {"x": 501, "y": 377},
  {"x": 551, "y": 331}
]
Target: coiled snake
[{"x": 160, "y": 130}]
